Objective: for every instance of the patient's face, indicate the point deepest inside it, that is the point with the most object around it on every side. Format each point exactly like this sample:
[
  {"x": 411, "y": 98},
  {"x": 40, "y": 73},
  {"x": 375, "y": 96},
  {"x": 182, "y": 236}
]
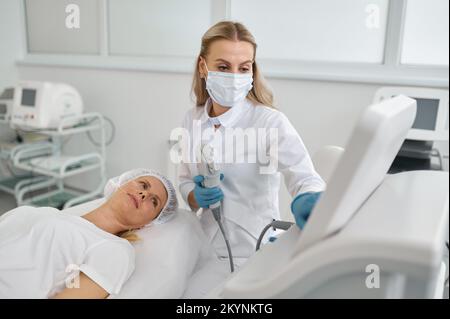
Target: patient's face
[{"x": 140, "y": 201}]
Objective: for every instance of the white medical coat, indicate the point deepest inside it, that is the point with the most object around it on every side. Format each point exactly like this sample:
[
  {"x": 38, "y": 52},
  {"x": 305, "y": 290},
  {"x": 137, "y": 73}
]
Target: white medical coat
[{"x": 250, "y": 197}]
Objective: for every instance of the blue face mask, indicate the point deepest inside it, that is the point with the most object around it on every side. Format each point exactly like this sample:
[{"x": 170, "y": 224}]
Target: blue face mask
[{"x": 227, "y": 89}]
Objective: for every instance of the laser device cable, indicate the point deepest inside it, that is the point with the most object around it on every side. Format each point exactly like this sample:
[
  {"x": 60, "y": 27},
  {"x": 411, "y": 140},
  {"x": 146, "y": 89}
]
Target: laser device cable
[{"x": 217, "y": 216}]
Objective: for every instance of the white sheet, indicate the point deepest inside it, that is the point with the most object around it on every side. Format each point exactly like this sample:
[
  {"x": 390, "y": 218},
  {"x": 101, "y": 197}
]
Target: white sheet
[
  {"x": 210, "y": 273},
  {"x": 207, "y": 276}
]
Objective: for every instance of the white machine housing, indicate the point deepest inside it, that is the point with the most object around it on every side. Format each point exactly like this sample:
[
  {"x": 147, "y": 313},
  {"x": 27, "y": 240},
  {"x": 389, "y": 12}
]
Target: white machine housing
[
  {"x": 372, "y": 147},
  {"x": 371, "y": 235},
  {"x": 42, "y": 105}
]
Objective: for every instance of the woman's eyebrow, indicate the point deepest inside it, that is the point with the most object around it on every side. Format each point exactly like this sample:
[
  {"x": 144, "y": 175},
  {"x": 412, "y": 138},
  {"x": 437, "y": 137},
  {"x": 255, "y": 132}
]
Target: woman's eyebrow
[
  {"x": 147, "y": 183},
  {"x": 225, "y": 61},
  {"x": 222, "y": 60},
  {"x": 248, "y": 61}
]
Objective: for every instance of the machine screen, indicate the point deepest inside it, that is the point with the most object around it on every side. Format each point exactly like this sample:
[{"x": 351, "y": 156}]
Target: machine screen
[
  {"x": 28, "y": 97},
  {"x": 2, "y": 108},
  {"x": 427, "y": 112}
]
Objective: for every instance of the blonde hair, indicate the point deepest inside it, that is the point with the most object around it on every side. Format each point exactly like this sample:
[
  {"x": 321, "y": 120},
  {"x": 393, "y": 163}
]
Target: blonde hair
[
  {"x": 233, "y": 31},
  {"x": 129, "y": 235}
]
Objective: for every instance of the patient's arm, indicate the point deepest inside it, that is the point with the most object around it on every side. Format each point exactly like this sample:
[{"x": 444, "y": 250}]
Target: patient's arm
[{"x": 88, "y": 290}]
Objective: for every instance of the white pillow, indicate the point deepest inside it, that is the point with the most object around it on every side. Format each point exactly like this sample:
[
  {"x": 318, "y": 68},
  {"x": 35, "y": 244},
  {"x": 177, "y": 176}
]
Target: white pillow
[{"x": 166, "y": 255}]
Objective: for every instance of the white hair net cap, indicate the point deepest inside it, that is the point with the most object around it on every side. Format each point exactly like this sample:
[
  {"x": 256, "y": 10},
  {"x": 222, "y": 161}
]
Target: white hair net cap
[{"x": 171, "y": 206}]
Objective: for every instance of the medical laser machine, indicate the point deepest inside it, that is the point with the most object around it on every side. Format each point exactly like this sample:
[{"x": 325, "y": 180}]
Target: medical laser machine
[
  {"x": 42, "y": 105},
  {"x": 371, "y": 235}
]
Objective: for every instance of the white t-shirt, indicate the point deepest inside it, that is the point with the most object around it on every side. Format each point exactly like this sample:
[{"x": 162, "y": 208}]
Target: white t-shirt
[{"x": 42, "y": 250}]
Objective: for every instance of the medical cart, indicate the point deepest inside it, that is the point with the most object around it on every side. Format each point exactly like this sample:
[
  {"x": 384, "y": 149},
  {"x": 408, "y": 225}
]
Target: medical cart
[{"x": 46, "y": 166}]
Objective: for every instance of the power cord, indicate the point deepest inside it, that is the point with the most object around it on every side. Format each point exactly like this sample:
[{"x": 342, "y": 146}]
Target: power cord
[
  {"x": 217, "y": 216},
  {"x": 110, "y": 139},
  {"x": 437, "y": 153}
]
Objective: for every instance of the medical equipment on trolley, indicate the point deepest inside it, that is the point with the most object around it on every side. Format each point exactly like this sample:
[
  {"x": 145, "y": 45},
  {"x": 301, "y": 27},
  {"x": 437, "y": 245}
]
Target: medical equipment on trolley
[
  {"x": 43, "y": 105},
  {"x": 41, "y": 162},
  {"x": 6, "y": 104},
  {"x": 367, "y": 225},
  {"x": 44, "y": 115},
  {"x": 429, "y": 127},
  {"x": 12, "y": 179},
  {"x": 212, "y": 175}
]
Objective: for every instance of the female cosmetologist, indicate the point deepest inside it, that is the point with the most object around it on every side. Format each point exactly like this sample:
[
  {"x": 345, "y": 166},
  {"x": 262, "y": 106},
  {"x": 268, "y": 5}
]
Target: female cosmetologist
[{"x": 230, "y": 93}]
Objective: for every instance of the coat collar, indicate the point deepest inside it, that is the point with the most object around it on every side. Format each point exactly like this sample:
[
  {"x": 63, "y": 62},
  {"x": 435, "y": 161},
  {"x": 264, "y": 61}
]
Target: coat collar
[{"x": 228, "y": 118}]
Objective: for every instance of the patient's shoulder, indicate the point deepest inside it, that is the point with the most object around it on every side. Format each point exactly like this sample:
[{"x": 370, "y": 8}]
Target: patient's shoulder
[{"x": 27, "y": 215}]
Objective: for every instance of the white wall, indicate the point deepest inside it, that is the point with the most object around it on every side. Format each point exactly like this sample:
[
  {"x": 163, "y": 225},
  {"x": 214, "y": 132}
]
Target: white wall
[{"x": 10, "y": 40}]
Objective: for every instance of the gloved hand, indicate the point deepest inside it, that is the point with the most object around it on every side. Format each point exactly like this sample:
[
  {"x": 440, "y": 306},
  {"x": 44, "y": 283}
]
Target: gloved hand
[
  {"x": 206, "y": 196},
  {"x": 302, "y": 206}
]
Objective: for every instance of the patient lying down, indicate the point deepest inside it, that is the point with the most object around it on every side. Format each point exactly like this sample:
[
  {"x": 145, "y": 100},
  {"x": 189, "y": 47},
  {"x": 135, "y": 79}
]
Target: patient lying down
[{"x": 48, "y": 254}]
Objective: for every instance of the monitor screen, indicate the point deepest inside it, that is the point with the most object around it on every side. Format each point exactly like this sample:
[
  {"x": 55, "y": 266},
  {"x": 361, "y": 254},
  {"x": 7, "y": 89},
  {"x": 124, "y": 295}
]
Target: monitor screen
[
  {"x": 427, "y": 112},
  {"x": 28, "y": 97},
  {"x": 426, "y": 115}
]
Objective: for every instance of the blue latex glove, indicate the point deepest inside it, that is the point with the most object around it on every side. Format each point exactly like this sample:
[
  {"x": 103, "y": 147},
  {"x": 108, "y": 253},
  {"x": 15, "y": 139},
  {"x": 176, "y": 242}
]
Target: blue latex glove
[
  {"x": 206, "y": 196},
  {"x": 302, "y": 206}
]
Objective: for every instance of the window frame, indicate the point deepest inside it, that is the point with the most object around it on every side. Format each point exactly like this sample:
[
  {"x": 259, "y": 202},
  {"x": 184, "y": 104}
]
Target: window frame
[{"x": 390, "y": 71}]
